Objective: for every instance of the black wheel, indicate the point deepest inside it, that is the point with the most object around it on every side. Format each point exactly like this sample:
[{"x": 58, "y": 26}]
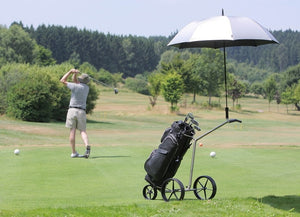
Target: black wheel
[
  {"x": 205, "y": 188},
  {"x": 172, "y": 189},
  {"x": 149, "y": 192}
]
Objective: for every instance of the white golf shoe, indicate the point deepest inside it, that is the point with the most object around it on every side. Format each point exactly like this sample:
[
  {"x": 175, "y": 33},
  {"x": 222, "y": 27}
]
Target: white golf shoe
[{"x": 74, "y": 155}]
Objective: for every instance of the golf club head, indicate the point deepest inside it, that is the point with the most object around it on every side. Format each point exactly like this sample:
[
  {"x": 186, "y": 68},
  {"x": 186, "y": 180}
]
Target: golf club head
[
  {"x": 197, "y": 128},
  {"x": 185, "y": 119},
  {"x": 190, "y": 115},
  {"x": 195, "y": 122}
]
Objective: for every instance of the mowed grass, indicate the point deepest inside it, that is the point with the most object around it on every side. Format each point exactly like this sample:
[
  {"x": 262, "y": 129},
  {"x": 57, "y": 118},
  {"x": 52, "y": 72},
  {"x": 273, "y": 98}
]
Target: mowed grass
[{"x": 256, "y": 168}]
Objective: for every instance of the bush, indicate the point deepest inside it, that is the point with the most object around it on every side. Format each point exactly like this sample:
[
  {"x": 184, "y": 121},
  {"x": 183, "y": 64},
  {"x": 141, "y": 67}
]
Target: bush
[
  {"x": 238, "y": 107},
  {"x": 92, "y": 98},
  {"x": 33, "y": 93},
  {"x": 9, "y": 76},
  {"x": 30, "y": 100},
  {"x": 137, "y": 84},
  {"x": 212, "y": 104}
]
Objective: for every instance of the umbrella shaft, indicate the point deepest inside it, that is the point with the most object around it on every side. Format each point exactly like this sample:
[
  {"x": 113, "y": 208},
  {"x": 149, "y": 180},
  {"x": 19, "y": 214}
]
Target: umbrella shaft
[{"x": 225, "y": 78}]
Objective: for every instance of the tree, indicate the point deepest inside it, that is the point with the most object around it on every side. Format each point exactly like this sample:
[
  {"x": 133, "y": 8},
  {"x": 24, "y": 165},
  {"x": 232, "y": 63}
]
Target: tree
[
  {"x": 287, "y": 97},
  {"x": 282, "y": 56},
  {"x": 16, "y": 45},
  {"x": 236, "y": 88},
  {"x": 174, "y": 63},
  {"x": 270, "y": 89},
  {"x": 178, "y": 62},
  {"x": 154, "y": 87},
  {"x": 172, "y": 88},
  {"x": 169, "y": 56},
  {"x": 88, "y": 68},
  {"x": 257, "y": 88},
  {"x": 297, "y": 95},
  {"x": 75, "y": 59},
  {"x": 43, "y": 56},
  {"x": 292, "y": 75},
  {"x": 195, "y": 84},
  {"x": 211, "y": 71}
]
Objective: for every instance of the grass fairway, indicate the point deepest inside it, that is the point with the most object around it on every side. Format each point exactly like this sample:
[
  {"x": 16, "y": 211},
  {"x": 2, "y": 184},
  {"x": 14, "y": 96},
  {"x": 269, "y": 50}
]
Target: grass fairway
[{"x": 256, "y": 168}]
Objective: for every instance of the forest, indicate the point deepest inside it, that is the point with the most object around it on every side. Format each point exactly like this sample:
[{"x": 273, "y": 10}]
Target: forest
[
  {"x": 147, "y": 65},
  {"x": 132, "y": 55}
]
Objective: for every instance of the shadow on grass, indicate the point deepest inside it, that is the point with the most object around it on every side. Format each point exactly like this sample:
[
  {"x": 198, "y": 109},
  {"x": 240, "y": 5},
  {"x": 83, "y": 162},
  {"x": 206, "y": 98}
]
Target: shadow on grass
[
  {"x": 116, "y": 156},
  {"x": 245, "y": 111},
  {"x": 98, "y": 122},
  {"x": 288, "y": 202}
]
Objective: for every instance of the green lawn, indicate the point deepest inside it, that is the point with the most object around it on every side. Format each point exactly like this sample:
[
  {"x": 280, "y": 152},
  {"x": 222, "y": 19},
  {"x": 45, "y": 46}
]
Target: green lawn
[{"x": 256, "y": 168}]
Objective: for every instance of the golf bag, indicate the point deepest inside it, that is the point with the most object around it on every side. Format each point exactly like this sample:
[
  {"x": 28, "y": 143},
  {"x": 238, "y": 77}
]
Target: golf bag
[{"x": 164, "y": 162}]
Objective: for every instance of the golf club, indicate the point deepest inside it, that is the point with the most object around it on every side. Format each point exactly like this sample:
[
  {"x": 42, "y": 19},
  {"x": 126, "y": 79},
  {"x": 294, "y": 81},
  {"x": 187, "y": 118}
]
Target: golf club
[
  {"x": 192, "y": 121},
  {"x": 104, "y": 84},
  {"x": 195, "y": 122},
  {"x": 197, "y": 127},
  {"x": 189, "y": 116}
]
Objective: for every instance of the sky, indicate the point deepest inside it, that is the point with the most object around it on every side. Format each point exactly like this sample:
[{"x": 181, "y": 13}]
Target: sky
[{"x": 146, "y": 17}]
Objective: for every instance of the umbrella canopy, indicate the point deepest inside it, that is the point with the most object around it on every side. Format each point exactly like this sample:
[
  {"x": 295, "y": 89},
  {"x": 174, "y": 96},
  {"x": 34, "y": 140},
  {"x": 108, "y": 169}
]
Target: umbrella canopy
[{"x": 221, "y": 32}]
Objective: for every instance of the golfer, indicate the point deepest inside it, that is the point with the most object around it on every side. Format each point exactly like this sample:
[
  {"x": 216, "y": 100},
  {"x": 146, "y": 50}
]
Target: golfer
[{"x": 76, "y": 117}]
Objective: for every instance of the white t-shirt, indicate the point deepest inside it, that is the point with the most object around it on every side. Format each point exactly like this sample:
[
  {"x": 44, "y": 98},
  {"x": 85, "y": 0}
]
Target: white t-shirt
[{"x": 79, "y": 94}]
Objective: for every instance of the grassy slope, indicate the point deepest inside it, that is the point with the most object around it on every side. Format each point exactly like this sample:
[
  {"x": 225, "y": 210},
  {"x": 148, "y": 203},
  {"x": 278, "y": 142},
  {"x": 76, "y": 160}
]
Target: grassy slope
[{"x": 256, "y": 168}]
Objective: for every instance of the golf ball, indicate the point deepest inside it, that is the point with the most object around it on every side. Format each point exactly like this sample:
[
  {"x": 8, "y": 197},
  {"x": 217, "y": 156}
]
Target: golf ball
[
  {"x": 212, "y": 154},
  {"x": 16, "y": 151}
]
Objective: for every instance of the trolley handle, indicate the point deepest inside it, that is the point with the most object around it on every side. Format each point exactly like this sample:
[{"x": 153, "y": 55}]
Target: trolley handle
[{"x": 234, "y": 120}]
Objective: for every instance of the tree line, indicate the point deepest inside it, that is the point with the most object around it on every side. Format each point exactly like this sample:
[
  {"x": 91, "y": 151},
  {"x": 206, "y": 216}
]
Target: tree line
[
  {"x": 132, "y": 55},
  {"x": 277, "y": 58},
  {"x": 203, "y": 74}
]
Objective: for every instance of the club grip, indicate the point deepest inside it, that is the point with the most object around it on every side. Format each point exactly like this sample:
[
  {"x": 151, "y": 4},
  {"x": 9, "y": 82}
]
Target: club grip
[{"x": 234, "y": 120}]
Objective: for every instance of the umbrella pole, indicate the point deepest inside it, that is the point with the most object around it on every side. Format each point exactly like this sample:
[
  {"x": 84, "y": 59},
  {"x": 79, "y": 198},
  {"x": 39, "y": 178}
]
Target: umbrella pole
[{"x": 226, "y": 92}]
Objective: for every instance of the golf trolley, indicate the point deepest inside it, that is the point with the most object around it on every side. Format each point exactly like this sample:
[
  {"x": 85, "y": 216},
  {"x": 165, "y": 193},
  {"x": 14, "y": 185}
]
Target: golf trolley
[{"x": 204, "y": 187}]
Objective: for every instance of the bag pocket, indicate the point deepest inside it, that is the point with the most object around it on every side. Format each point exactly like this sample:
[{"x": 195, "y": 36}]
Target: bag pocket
[{"x": 157, "y": 163}]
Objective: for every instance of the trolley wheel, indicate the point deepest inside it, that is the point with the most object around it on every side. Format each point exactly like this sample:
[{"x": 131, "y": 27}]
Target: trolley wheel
[
  {"x": 172, "y": 189},
  {"x": 149, "y": 192},
  {"x": 205, "y": 188}
]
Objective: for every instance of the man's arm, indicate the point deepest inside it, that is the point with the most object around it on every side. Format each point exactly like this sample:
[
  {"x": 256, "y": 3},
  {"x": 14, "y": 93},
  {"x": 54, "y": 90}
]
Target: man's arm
[
  {"x": 65, "y": 77},
  {"x": 74, "y": 77}
]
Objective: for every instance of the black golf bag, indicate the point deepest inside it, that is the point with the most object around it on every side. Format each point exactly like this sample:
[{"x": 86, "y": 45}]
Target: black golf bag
[{"x": 164, "y": 162}]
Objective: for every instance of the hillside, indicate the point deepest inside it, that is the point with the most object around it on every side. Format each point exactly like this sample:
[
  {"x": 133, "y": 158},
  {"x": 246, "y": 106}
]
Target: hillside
[{"x": 133, "y": 55}]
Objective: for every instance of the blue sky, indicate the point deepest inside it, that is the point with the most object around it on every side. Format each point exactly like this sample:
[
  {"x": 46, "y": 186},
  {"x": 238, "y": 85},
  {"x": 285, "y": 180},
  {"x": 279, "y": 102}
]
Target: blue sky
[{"x": 146, "y": 17}]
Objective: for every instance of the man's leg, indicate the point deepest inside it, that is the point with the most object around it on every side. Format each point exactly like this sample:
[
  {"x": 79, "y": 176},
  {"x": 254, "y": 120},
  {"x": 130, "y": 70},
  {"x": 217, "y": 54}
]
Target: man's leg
[
  {"x": 85, "y": 139},
  {"x": 72, "y": 139}
]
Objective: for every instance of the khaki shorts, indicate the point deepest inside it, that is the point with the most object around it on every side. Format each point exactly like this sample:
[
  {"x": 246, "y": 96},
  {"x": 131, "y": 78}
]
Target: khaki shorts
[{"x": 76, "y": 118}]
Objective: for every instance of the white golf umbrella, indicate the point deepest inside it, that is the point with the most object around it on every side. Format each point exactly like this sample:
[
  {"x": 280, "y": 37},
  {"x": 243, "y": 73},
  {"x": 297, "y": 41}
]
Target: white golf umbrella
[{"x": 221, "y": 32}]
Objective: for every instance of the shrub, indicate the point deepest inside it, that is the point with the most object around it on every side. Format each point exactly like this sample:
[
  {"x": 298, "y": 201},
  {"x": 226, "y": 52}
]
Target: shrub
[
  {"x": 33, "y": 93},
  {"x": 30, "y": 100},
  {"x": 92, "y": 99},
  {"x": 137, "y": 84}
]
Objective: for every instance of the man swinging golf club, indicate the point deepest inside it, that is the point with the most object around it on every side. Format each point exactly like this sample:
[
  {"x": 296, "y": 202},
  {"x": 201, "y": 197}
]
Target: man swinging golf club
[{"x": 76, "y": 117}]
